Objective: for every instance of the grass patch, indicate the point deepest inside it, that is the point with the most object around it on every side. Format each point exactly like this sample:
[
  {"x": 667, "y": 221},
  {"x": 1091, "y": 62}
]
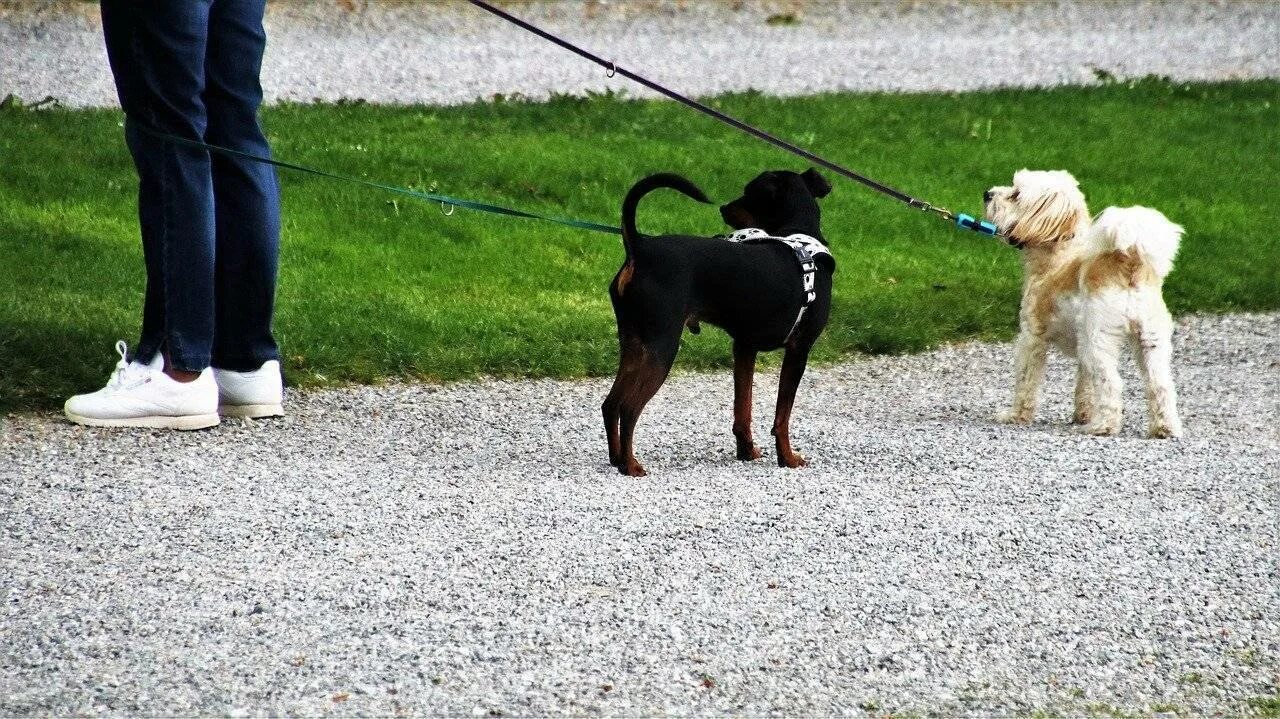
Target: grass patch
[
  {"x": 1248, "y": 656},
  {"x": 1192, "y": 679},
  {"x": 1266, "y": 707},
  {"x": 372, "y": 288},
  {"x": 1108, "y": 711}
]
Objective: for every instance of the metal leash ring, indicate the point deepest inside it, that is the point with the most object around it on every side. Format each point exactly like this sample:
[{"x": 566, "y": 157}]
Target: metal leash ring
[{"x": 452, "y": 208}]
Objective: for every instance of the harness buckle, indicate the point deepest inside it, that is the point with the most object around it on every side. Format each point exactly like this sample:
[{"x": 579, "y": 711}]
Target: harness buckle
[{"x": 809, "y": 279}]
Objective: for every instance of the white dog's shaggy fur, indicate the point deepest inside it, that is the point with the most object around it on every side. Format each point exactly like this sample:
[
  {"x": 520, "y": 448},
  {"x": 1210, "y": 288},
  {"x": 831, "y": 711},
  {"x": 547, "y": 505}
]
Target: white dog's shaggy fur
[{"x": 1089, "y": 288}]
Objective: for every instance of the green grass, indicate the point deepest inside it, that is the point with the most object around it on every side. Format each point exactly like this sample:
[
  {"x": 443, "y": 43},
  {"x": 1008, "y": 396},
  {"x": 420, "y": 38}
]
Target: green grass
[
  {"x": 372, "y": 288},
  {"x": 1266, "y": 707}
]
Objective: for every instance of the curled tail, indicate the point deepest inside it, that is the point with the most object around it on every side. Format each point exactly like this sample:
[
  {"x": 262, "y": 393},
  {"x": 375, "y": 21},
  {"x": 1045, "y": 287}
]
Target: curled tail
[
  {"x": 644, "y": 187},
  {"x": 1140, "y": 233}
]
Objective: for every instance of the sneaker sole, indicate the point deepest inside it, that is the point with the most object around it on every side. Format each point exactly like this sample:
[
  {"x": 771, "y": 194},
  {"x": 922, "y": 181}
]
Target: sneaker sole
[
  {"x": 251, "y": 411},
  {"x": 185, "y": 422}
]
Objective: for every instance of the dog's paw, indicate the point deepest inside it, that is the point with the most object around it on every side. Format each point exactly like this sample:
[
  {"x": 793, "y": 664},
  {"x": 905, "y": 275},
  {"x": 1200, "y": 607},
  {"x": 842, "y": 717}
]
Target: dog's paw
[
  {"x": 632, "y": 468},
  {"x": 1100, "y": 429},
  {"x": 1165, "y": 431},
  {"x": 749, "y": 454},
  {"x": 1081, "y": 417},
  {"x": 1012, "y": 416},
  {"x": 792, "y": 461}
]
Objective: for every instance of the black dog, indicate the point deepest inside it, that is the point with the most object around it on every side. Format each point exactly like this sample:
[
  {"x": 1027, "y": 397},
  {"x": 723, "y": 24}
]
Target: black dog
[{"x": 753, "y": 290}]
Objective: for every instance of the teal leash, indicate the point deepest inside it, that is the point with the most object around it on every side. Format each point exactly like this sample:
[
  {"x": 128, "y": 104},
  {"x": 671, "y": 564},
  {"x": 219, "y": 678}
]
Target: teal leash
[{"x": 426, "y": 196}]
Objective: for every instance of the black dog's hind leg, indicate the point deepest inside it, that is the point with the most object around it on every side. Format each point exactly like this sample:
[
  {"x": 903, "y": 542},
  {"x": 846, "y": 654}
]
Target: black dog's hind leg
[
  {"x": 793, "y": 365},
  {"x": 641, "y": 386},
  {"x": 630, "y": 360},
  {"x": 744, "y": 372}
]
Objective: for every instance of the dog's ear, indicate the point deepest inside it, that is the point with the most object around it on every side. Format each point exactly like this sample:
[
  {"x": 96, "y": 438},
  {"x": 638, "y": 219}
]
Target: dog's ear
[
  {"x": 1054, "y": 215},
  {"x": 816, "y": 183}
]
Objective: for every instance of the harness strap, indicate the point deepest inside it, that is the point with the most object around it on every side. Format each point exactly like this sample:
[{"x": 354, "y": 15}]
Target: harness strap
[{"x": 806, "y": 250}]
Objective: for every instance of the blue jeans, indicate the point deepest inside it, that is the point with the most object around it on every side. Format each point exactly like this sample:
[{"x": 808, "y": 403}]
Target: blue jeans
[{"x": 210, "y": 224}]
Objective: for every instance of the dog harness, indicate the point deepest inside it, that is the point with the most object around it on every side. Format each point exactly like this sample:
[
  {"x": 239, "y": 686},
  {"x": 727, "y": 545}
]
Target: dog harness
[{"x": 806, "y": 249}]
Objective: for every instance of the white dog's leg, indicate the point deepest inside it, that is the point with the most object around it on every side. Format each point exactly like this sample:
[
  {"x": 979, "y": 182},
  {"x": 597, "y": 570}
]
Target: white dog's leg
[
  {"x": 1100, "y": 357},
  {"x": 1028, "y": 369},
  {"x": 1084, "y": 395},
  {"x": 1155, "y": 356}
]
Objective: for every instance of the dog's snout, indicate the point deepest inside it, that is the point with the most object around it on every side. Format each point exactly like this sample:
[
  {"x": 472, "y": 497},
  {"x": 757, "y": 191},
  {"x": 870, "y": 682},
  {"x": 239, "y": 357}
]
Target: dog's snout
[{"x": 986, "y": 196}]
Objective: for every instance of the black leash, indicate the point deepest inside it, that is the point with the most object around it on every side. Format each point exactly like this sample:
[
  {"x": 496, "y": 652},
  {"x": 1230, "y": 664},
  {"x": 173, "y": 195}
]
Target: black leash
[{"x": 966, "y": 221}]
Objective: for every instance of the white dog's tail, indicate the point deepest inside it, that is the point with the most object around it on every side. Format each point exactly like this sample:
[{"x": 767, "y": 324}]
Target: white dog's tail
[{"x": 1140, "y": 232}]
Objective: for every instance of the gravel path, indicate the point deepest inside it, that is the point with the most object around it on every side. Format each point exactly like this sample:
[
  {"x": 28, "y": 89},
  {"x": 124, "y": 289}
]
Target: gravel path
[
  {"x": 466, "y": 550},
  {"x": 404, "y": 550},
  {"x": 434, "y": 53}
]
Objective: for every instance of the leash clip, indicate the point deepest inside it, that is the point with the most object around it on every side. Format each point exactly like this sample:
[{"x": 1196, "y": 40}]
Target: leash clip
[
  {"x": 452, "y": 208},
  {"x": 969, "y": 222},
  {"x": 923, "y": 206},
  {"x": 611, "y": 70}
]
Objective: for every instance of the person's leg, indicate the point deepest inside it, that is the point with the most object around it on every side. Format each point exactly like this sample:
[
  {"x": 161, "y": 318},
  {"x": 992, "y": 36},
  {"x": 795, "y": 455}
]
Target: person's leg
[
  {"x": 156, "y": 49},
  {"x": 247, "y": 199}
]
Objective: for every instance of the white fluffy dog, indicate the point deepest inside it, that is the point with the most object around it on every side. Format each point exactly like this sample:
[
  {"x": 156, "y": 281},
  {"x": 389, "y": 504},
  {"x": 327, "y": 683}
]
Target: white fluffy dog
[{"x": 1090, "y": 287}]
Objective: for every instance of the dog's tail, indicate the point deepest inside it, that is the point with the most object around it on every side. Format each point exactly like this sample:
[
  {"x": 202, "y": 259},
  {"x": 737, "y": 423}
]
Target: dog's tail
[
  {"x": 1141, "y": 233},
  {"x": 644, "y": 187}
]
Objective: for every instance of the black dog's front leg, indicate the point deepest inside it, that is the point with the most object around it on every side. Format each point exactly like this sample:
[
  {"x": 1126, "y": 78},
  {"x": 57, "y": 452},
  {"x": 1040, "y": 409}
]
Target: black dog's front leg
[
  {"x": 744, "y": 373},
  {"x": 793, "y": 365}
]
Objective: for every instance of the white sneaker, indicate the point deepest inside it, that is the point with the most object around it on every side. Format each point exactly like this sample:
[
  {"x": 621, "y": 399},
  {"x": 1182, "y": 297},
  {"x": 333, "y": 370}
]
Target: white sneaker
[
  {"x": 142, "y": 395},
  {"x": 259, "y": 393}
]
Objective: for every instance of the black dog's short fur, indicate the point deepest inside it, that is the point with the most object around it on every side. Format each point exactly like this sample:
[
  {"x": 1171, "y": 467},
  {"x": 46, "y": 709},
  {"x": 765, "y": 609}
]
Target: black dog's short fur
[{"x": 752, "y": 291}]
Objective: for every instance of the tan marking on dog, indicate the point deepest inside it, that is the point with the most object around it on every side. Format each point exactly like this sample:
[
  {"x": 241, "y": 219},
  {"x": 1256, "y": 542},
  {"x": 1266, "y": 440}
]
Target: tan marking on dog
[
  {"x": 624, "y": 276},
  {"x": 1046, "y": 279},
  {"x": 738, "y": 218},
  {"x": 1048, "y": 224},
  {"x": 1117, "y": 269}
]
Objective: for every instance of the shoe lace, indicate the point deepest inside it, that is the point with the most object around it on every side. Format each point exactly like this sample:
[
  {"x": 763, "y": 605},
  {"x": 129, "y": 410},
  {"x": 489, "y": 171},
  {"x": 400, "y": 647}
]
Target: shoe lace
[{"x": 127, "y": 374}]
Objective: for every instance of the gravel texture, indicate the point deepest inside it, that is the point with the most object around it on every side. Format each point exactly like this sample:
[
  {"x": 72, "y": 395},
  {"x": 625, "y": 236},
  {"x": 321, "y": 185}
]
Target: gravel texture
[
  {"x": 450, "y": 53},
  {"x": 467, "y": 550},
  {"x": 403, "y": 550}
]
